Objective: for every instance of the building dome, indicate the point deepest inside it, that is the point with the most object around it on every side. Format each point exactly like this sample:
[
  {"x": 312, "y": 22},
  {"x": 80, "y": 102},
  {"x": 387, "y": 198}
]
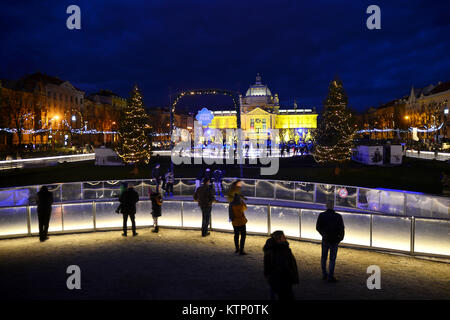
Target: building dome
[{"x": 258, "y": 89}]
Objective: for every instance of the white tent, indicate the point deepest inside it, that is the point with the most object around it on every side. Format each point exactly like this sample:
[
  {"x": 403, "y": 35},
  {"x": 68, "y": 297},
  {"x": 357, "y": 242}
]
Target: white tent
[{"x": 107, "y": 157}]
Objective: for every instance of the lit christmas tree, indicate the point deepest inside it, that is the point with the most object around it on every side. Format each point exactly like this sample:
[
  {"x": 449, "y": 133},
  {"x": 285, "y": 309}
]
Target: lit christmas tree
[
  {"x": 133, "y": 144},
  {"x": 334, "y": 134}
]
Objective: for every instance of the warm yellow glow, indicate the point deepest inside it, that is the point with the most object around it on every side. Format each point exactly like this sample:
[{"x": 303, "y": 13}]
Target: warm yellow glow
[
  {"x": 293, "y": 121},
  {"x": 406, "y": 117},
  {"x": 56, "y": 117}
]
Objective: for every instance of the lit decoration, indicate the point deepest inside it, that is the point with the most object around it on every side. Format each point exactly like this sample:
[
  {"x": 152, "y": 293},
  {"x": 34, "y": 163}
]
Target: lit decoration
[
  {"x": 334, "y": 135},
  {"x": 204, "y": 116},
  {"x": 133, "y": 146}
]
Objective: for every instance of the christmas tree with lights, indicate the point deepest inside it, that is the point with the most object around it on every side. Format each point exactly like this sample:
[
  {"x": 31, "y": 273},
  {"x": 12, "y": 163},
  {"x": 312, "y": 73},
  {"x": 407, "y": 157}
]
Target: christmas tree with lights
[
  {"x": 334, "y": 134},
  {"x": 133, "y": 146}
]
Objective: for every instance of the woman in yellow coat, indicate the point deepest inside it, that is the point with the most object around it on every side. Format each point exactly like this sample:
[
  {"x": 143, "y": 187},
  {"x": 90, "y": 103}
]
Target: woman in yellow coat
[{"x": 238, "y": 220}]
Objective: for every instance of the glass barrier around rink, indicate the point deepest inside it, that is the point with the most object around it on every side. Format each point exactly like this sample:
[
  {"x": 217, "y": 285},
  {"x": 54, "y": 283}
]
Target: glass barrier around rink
[
  {"x": 187, "y": 187},
  {"x": 357, "y": 228},
  {"x": 390, "y": 232},
  {"x": 285, "y": 190},
  {"x": 192, "y": 215},
  {"x": 13, "y": 221},
  {"x": 432, "y": 236},
  {"x": 324, "y": 192},
  {"x": 286, "y": 219},
  {"x": 56, "y": 219},
  {"x": 77, "y": 216},
  {"x": 106, "y": 216},
  {"x": 93, "y": 190},
  {"x": 265, "y": 189},
  {"x": 346, "y": 196},
  {"x": 220, "y": 218},
  {"x": 172, "y": 214},
  {"x": 304, "y": 191},
  {"x": 257, "y": 218},
  {"x": 308, "y": 224}
]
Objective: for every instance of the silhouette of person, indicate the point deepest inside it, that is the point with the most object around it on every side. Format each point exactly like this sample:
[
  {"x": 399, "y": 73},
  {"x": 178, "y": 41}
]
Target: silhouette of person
[
  {"x": 44, "y": 202},
  {"x": 128, "y": 200},
  {"x": 238, "y": 220},
  {"x": 331, "y": 227},
  {"x": 280, "y": 266},
  {"x": 204, "y": 195}
]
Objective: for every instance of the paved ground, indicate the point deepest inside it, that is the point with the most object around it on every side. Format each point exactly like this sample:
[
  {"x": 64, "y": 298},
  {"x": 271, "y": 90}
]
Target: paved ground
[{"x": 179, "y": 264}]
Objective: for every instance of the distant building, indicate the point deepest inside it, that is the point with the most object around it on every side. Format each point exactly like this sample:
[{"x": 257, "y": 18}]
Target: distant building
[
  {"x": 160, "y": 124},
  {"x": 423, "y": 108},
  {"x": 49, "y": 103},
  {"x": 260, "y": 111},
  {"x": 101, "y": 113}
]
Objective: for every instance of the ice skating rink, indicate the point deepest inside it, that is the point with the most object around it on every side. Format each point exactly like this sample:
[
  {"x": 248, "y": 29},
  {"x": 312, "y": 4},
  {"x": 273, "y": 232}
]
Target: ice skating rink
[{"x": 180, "y": 264}]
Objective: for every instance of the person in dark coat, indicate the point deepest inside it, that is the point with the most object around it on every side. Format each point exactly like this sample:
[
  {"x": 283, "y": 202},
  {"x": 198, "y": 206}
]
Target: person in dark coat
[
  {"x": 157, "y": 201},
  {"x": 238, "y": 220},
  {"x": 218, "y": 175},
  {"x": 128, "y": 200},
  {"x": 44, "y": 202},
  {"x": 204, "y": 195},
  {"x": 156, "y": 175},
  {"x": 280, "y": 266},
  {"x": 331, "y": 227}
]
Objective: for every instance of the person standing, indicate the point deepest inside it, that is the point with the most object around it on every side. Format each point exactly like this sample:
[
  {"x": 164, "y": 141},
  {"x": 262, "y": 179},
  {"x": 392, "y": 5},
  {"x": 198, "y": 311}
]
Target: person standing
[
  {"x": 156, "y": 175},
  {"x": 204, "y": 195},
  {"x": 44, "y": 202},
  {"x": 198, "y": 179},
  {"x": 208, "y": 174},
  {"x": 157, "y": 201},
  {"x": 238, "y": 220},
  {"x": 218, "y": 175},
  {"x": 280, "y": 267},
  {"x": 169, "y": 182},
  {"x": 235, "y": 187},
  {"x": 331, "y": 227},
  {"x": 128, "y": 200}
]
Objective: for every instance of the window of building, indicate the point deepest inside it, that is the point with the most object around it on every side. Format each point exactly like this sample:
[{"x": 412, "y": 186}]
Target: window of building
[
  {"x": 264, "y": 124},
  {"x": 252, "y": 124}
]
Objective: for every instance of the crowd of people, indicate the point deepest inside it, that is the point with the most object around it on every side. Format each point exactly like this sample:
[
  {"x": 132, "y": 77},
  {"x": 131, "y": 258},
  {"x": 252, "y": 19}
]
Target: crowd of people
[{"x": 280, "y": 266}]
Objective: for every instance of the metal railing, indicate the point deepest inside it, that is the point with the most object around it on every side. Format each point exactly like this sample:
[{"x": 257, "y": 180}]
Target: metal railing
[
  {"x": 357, "y": 199},
  {"x": 410, "y": 235},
  {"x": 428, "y": 155},
  {"x": 42, "y": 161}
]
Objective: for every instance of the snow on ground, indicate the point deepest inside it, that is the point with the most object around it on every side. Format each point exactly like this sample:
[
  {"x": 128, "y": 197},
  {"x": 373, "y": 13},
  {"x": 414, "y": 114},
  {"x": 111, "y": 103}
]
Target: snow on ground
[{"x": 180, "y": 264}]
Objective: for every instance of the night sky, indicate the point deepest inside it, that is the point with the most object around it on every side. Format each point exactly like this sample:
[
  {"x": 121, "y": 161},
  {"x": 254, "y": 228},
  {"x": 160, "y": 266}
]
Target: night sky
[{"x": 165, "y": 46}]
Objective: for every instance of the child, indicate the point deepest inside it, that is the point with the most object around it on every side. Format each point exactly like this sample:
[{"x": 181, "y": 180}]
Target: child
[
  {"x": 169, "y": 183},
  {"x": 157, "y": 201}
]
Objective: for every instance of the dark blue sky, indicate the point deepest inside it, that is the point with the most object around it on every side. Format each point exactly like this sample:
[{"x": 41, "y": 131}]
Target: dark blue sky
[{"x": 297, "y": 46}]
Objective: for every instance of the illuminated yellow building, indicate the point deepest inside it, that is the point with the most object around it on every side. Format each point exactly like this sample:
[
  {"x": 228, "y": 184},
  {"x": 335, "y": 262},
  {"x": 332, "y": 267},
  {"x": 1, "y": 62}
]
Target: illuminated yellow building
[{"x": 260, "y": 111}]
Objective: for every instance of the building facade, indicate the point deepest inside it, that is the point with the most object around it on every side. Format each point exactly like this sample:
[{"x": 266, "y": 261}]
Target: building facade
[
  {"x": 425, "y": 109},
  {"x": 53, "y": 112},
  {"x": 260, "y": 112},
  {"x": 160, "y": 125}
]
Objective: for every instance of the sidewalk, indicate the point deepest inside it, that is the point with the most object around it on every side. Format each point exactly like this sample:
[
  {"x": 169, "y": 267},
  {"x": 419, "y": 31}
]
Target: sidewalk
[{"x": 180, "y": 264}]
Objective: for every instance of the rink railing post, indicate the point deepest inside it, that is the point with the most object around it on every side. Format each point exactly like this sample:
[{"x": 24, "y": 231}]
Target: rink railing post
[
  {"x": 94, "y": 214},
  {"x": 29, "y": 220}
]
